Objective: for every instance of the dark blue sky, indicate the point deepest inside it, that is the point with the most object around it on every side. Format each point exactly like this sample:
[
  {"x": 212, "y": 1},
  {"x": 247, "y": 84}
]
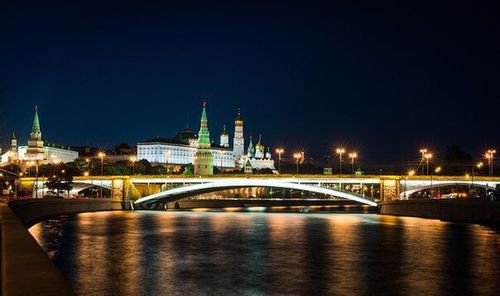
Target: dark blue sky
[{"x": 385, "y": 78}]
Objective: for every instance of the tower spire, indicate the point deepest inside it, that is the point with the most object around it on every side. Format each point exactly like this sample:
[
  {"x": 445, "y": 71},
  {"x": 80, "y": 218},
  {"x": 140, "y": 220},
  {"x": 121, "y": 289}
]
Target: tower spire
[
  {"x": 35, "y": 142},
  {"x": 204, "y": 159},
  {"x": 204, "y": 134},
  {"x": 36, "y": 132}
]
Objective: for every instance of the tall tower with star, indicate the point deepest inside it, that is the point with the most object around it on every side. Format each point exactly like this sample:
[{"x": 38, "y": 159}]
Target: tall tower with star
[
  {"x": 204, "y": 158},
  {"x": 35, "y": 142}
]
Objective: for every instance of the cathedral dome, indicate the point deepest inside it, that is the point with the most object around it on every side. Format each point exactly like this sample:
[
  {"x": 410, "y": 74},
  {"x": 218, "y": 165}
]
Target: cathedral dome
[{"x": 186, "y": 134}]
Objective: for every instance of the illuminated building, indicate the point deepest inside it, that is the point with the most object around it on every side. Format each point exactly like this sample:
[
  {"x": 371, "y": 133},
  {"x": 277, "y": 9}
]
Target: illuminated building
[{"x": 37, "y": 149}]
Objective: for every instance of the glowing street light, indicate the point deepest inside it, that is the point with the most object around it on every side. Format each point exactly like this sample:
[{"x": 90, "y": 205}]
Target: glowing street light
[
  {"x": 167, "y": 159},
  {"x": 427, "y": 157},
  {"x": 490, "y": 156},
  {"x": 437, "y": 170},
  {"x": 410, "y": 173},
  {"x": 132, "y": 160},
  {"x": 101, "y": 155},
  {"x": 279, "y": 151},
  {"x": 340, "y": 151},
  {"x": 423, "y": 151},
  {"x": 85, "y": 174},
  {"x": 297, "y": 157},
  {"x": 353, "y": 156}
]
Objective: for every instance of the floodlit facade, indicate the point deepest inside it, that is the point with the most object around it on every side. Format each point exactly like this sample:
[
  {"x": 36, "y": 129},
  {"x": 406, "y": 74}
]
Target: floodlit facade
[
  {"x": 185, "y": 148},
  {"x": 37, "y": 150}
]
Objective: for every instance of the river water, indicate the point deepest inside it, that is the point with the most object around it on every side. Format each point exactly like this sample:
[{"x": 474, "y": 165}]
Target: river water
[{"x": 239, "y": 253}]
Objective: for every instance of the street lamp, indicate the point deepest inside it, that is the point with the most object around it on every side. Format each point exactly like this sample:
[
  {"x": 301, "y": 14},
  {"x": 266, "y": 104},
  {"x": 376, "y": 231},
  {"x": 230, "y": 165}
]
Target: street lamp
[
  {"x": 490, "y": 155},
  {"x": 352, "y": 156},
  {"x": 436, "y": 170},
  {"x": 410, "y": 174},
  {"x": 101, "y": 155},
  {"x": 423, "y": 151},
  {"x": 279, "y": 151},
  {"x": 167, "y": 158},
  {"x": 427, "y": 157},
  {"x": 340, "y": 151},
  {"x": 133, "y": 159},
  {"x": 297, "y": 157}
]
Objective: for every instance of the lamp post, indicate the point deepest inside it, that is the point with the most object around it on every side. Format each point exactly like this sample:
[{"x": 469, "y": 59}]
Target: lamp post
[
  {"x": 167, "y": 159},
  {"x": 340, "y": 151},
  {"x": 423, "y": 151},
  {"x": 133, "y": 159},
  {"x": 490, "y": 156},
  {"x": 297, "y": 157},
  {"x": 410, "y": 174},
  {"x": 101, "y": 155},
  {"x": 427, "y": 157},
  {"x": 436, "y": 170},
  {"x": 479, "y": 165},
  {"x": 352, "y": 156},
  {"x": 279, "y": 151}
]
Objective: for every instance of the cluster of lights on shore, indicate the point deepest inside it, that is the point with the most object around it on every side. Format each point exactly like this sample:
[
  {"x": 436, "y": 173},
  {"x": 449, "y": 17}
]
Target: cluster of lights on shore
[{"x": 426, "y": 156}]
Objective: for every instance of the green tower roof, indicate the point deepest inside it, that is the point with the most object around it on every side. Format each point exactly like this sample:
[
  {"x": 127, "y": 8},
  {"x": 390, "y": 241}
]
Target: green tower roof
[
  {"x": 36, "y": 124},
  {"x": 204, "y": 134}
]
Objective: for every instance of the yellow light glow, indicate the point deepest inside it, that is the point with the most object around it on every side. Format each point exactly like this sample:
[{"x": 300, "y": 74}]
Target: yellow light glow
[
  {"x": 86, "y": 174},
  {"x": 340, "y": 150},
  {"x": 438, "y": 169},
  {"x": 479, "y": 165},
  {"x": 428, "y": 155},
  {"x": 133, "y": 158},
  {"x": 101, "y": 154},
  {"x": 411, "y": 173},
  {"x": 280, "y": 150},
  {"x": 353, "y": 155}
]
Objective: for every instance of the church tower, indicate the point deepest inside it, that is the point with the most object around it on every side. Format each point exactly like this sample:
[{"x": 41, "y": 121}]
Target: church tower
[
  {"x": 204, "y": 159},
  {"x": 224, "y": 138},
  {"x": 259, "y": 149},
  {"x": 238, "y": 141},
  {"x": 35, "y": 143},
  {"x": 13, "y": 154},
  {"x": 251, "y": 150}
]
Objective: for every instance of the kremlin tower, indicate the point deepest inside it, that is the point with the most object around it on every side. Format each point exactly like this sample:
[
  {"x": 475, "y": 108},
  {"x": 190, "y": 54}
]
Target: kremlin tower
[
  {"x": 204, "y": 158},
  {"x": 238, "y": 141},
  {"x": 35, "y": 143},
  {"x": 224, "y": 138}
]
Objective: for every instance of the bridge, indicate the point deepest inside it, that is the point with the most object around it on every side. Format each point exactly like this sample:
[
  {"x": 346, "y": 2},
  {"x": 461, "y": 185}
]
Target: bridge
[{"x": 366, "y": 189}]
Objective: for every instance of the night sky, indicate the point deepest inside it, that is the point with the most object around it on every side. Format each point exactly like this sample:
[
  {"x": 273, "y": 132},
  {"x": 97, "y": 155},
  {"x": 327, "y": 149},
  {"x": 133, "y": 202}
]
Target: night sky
[{"x": 383, "y": 78}]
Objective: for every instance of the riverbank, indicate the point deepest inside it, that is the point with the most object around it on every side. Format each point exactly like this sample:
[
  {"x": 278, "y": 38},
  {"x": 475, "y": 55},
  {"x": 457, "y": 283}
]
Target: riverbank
[
  {"x": 453, "y": 210},
  {"x": 26, "y": 269}
]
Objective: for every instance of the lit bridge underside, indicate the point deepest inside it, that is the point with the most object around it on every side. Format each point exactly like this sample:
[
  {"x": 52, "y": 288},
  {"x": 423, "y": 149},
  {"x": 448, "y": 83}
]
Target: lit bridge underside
[
  {"x": 414, "y": 186},
  {"x": 217, "y": 185}
]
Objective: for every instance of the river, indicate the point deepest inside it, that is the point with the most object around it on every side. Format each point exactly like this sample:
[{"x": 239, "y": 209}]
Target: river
[{"x": 241, "y": 253}]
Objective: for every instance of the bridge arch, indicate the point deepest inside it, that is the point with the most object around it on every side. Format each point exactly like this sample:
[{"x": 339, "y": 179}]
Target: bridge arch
[
  {"x": 482, "y": 184},
  {"x": 182, "y": 192}
]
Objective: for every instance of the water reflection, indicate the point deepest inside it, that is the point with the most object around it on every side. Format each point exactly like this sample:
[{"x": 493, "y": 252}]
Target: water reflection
[{"x": 157, "y": 253}]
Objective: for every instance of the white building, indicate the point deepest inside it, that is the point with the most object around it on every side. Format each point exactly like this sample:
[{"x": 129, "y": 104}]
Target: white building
[
  {"x": 37, "y": 149},
  {"x": 181, "y": 150}
]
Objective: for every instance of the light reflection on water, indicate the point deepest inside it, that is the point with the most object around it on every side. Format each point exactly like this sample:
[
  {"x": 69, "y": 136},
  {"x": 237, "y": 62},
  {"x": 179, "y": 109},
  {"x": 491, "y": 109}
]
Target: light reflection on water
[{"x": 161, "y": 253}]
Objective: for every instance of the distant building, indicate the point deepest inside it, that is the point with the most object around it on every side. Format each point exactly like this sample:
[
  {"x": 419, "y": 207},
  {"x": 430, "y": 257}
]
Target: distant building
[{"x": 37, "y": 150}]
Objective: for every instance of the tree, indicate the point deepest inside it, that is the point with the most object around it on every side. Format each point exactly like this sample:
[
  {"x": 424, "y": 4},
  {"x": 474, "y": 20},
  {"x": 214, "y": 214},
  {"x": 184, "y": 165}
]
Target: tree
[
  {"x": 188, "y": 169},
  {"x": 60, "y": 183}
]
